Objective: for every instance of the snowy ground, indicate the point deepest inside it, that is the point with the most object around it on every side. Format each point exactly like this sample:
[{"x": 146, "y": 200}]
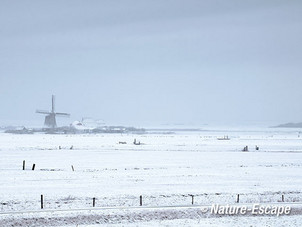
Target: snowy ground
[
  {"x": 148, "y": 217},
  {"x": 166, "y": 169}
]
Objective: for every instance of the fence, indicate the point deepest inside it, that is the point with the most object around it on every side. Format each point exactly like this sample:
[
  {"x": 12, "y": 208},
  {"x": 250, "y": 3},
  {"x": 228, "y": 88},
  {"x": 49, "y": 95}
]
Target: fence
[{"x": 71, "y": 202}]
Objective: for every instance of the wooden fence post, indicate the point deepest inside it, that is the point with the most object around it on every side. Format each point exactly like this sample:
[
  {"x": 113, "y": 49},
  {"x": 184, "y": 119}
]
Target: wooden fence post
[
  {"x": 34, "y": 165},
  {"x": 23, "y": 164},
  {"x": 141, "y": 200},
  {"x": 42, "y": 202},
  {"x": 93, "y": 202}
]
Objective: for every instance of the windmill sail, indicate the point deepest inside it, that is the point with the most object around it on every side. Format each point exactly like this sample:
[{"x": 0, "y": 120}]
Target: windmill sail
[
  {"x": 52, "y": 103},
  {"x": 43, "y": 112},
  {"x": 63, "y": 114}
]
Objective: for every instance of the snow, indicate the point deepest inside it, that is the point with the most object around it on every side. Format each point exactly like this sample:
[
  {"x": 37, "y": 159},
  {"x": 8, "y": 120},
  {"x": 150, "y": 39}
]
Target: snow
[
  {"x": 166, "y": 169},
  {"x": 148, "y": 217}
]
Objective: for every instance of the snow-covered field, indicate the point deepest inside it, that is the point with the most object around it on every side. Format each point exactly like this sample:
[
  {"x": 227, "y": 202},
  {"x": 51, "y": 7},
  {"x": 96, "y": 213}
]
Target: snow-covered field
[{"x": 165, "y": 169}]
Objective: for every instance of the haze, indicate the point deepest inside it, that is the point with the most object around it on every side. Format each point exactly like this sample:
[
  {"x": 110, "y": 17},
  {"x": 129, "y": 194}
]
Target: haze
[{"x": 152, "y": 62}]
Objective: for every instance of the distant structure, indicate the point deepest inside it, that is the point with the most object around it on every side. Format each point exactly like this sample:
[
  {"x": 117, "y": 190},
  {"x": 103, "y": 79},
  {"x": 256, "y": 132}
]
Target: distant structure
[{"x": 50, "y": 118}]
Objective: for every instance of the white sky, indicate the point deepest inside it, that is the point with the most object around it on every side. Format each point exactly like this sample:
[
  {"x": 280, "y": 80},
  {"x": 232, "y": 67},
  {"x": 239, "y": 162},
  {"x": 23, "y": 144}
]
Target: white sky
[{"x": 152, "y": 62}]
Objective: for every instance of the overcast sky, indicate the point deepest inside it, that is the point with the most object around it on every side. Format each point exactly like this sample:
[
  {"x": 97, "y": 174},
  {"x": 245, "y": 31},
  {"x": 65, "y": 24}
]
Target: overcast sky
[{"x": 152, "y": 62}]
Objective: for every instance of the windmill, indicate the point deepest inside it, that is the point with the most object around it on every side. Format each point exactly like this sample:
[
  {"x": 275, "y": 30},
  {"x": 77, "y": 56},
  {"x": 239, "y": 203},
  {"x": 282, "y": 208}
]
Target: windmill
[{"x": 50, "y": 118}]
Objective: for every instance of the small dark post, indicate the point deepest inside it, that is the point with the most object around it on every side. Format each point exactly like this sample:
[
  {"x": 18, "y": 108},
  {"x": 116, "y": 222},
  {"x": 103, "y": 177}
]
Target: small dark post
[
  {"x": 245, "y": 148},
  {"x": 192, "y": 199},
  {"x": 141, "y": 200},
  {"x": 72, "y": 168},
  {"x": 34, "y": 165},
  {"x": 23, "y": 164},
  {"x": 93, "y": 202},
  {"x": 238, "y": 198},
  {"x": 282, "y": 198},
  {"x": 41, "y": 201}
]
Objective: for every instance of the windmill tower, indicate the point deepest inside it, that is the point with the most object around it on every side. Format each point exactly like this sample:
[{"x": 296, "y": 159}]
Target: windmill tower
[{"x": 50, "y": 118}]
